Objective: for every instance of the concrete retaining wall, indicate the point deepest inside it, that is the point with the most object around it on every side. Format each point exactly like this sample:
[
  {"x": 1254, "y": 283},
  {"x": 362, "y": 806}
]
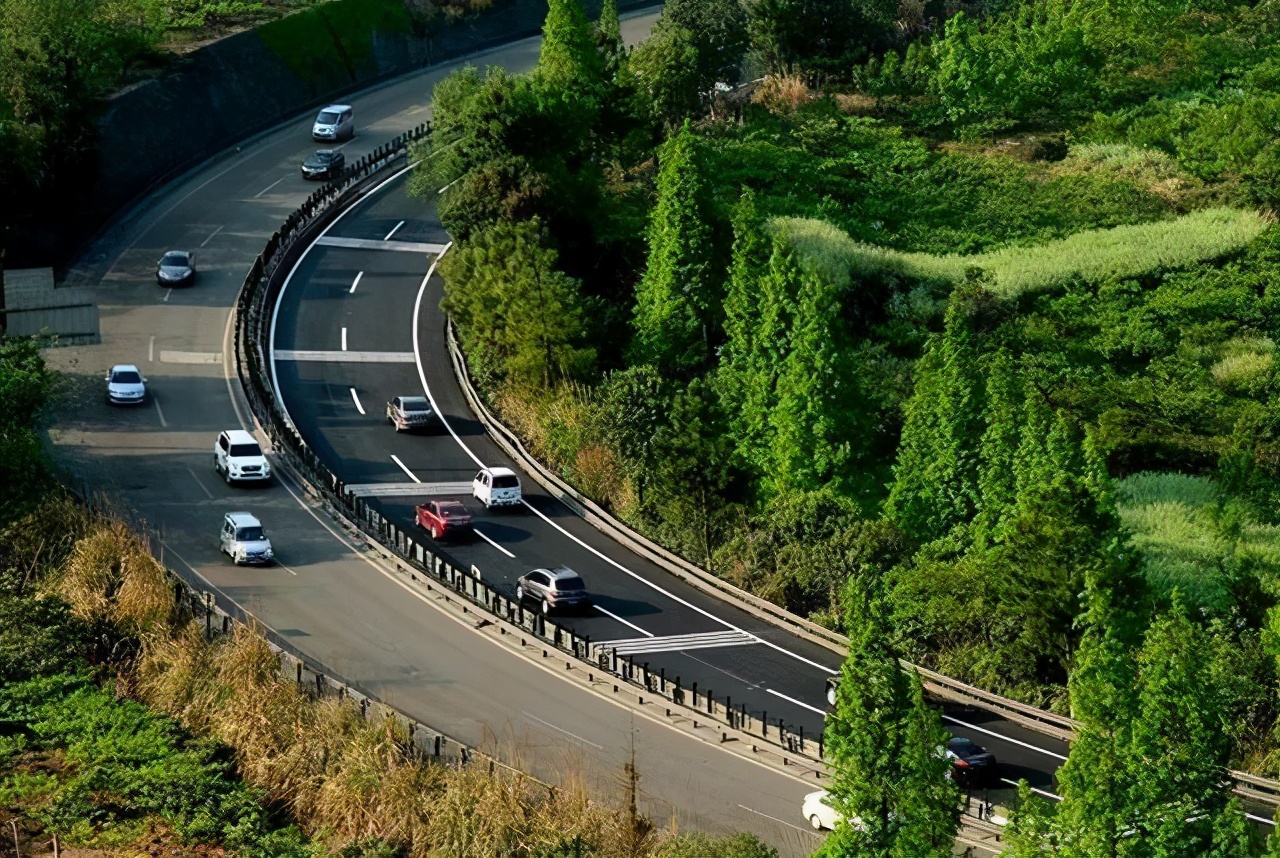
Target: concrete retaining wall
[{"x": 234, "y": 88}]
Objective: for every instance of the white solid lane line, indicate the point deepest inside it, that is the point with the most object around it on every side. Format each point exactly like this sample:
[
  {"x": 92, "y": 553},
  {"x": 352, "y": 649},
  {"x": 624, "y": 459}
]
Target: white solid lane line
[
  {"x": 627, "y": 623},
  {"x": 394, "y": 230},
  {"x": 779, "y": 821},
  {"x": 200, "y": 484},
  {"x": 356, "y": 399},
  {"x": 412, "y": 476},
  {"x": 168, "y": 293},
  {"x": 269, "y": 187},
  {"x": 344, "y": 339},
  {"x": 211, "y": 235},
  {"x": 355, "y": 283},
  {"x": 480, "y": 533},
  {"x": 151, "y": 351},
  {"x": 156, "y": 402},
  {"x": 1001, "y": 736},
  {"x": 574, "y": 736},
  {"x": 796, "y": 702}
]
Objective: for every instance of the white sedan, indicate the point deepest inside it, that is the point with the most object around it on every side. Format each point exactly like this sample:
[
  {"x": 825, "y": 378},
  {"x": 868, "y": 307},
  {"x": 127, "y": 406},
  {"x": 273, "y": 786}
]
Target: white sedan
[{"x": 818, "y": 811}]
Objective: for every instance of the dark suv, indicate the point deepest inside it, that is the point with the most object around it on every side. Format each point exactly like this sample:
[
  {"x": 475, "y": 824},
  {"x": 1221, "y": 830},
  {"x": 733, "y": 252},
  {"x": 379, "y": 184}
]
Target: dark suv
[{"x": 553, "y": 589}]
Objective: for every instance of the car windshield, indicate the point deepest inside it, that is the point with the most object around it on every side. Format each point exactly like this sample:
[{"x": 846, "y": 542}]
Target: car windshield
[
  {"x": 417, "y": 404},
  {"x": 507, "y": 481},
  {"x": 175, "y": 259},
  {"x": 249, "y": 534},
  {"x": 246, "y": 450},
  {"x": 126, "y": 377},
  {"x": 963, "y": 747},
  {"x": 570, "y": 584},
  {"x": 327, "y": 117}
]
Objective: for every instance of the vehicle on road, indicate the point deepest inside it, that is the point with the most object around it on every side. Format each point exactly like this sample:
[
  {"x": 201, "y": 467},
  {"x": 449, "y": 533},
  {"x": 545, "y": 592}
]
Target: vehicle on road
[
  {"x": 244, "y": 540},
  {"x": 125, "y": 385},
  {"x": 410, "y": 413},
  {"x": 445, "y": 519},
  {"x": 176, "y": 268},
  {"x": 335, "y": 122},
  {"x": 324, "y": 164},
  {"x": 557, "y": 589},
  {"x": 817, "y": 809},
  {"x": 238, "y": 458},
  {"x": 496, "y": 487},
  {"x": 971, "y": 764}
]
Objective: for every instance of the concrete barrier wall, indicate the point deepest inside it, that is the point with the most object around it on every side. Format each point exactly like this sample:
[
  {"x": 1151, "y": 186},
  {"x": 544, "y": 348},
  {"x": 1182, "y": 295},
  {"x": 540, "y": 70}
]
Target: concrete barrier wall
[{"x": 234, "y": 88}]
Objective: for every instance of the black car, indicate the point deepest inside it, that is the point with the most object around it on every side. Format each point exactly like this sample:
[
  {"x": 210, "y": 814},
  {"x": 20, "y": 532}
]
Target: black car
[
  {"x": 176, "y": 268},
  {"x": 324, "y": 164},
  {"x": 971, "y": 763}
]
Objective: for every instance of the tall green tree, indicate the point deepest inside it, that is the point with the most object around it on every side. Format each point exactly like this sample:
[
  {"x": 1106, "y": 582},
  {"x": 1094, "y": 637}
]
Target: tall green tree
[
  {"x": 816, "y": 36},
  {"x": 889, "y": 778},
  {"x": 1003, "y": 415},
  {"x": 568, "y": 59},
  {"x": 666, "y": 70},
  {"x": 678, "y": 299},
  {"x": 518, "y": 313},
  {"x": 26, "y": 385},
  {"x": 936, "y": 477},
  {"x": 718, "y": 32}
]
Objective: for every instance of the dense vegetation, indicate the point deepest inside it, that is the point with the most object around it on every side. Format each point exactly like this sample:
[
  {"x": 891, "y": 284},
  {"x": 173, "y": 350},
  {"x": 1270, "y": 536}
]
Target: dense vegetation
[
  {"x": 979, "y": 313},
  {"x": 123, "y": 729}
]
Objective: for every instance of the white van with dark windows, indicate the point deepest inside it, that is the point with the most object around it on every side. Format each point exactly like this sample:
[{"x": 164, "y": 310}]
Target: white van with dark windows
[
  {"x": 335, "y": 122},
  {"x": 496, "y": 487}
]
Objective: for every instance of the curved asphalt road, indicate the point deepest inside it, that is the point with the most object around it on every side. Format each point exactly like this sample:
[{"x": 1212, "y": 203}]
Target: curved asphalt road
[
  {"x": 326, "y": 596},
  {"x": 359, "y": 323}
]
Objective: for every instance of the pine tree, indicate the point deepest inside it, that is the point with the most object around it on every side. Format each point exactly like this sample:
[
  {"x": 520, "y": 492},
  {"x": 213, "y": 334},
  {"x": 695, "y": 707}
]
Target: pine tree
[
  {"x": 677, "y": 301},
  {"x": 568, "y": 59},
  {"x": 1003, "y": 416},
  {"x": 936, "y": 477},
  {"x": 889, "y": 780}
]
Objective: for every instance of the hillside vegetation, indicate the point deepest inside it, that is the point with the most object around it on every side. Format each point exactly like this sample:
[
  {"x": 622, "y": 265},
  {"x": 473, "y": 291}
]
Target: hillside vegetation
[{"x": 957, "y": 323}]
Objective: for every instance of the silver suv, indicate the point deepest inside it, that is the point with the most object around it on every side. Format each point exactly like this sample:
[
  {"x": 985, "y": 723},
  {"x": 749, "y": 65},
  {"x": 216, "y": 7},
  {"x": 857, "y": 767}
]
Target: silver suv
[
  {"x": 244, "y": 540},
  {"x": 238, "y": 458},
  {"x": 553, "y": 589}
]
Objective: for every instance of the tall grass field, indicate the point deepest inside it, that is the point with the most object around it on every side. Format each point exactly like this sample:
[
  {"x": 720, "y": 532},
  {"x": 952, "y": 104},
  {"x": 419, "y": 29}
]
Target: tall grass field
[{"x": 1123, "y": 251}]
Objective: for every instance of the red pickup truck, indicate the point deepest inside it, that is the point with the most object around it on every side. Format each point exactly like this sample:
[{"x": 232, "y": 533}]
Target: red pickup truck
[{"x": 444, "y": 519}]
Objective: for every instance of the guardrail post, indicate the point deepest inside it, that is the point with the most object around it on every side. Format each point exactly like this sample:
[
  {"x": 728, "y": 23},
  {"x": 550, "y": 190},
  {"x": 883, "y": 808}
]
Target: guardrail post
[
  {"x": 437, "y": 744},
  {"x": 764, "y": 723},
  {"x": 614, "y": 668},
  {"x": 711, "y": 702},
  {"x": 728, "y": 709},
  {"x": 644, "y": 675},
  {"x": 694, "y": 689}
]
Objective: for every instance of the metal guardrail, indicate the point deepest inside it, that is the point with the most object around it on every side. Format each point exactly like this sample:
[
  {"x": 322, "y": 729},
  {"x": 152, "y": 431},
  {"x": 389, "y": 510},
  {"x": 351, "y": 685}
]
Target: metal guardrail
[{"x": 253, "y": 311}]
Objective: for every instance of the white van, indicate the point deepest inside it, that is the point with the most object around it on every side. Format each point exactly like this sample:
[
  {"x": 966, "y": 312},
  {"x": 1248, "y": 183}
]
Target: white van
[
  {"x": 335, "y": 122},
  {"x": 496, "y": 487},
  {"x": 244, "y": 540}
]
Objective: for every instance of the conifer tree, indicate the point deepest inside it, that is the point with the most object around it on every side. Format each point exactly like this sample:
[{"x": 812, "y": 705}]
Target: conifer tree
[
  {"x": 936, "y": 477},
  {"x": 677, "y": 301},
  {"x": 889, "y": 779},
  {"x": 568, "y": 59},
  {"x": 1003, "y": 416}
]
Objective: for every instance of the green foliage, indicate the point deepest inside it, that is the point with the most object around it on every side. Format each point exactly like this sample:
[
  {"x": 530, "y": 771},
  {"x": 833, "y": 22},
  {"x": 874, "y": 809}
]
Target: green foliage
[
  {"x": 889, "y": 781},
  {"x": 329, "y": 43},
  {"x": 1094, "y": 255},
  {"x": 568, "y": 58},
  {"x": 703, "y": 846},
  {"x": 816, "y": 36},
  {"x": 718, "y": 32},
  {"x": 38, "y": 637},
  {"x": 517, "y": 310},
  {"x": 678, "y": 302},
  {"x": 666, "y": 70},
  {"x": 123, "y": 769},
  {"x": 25, "y": 387}
]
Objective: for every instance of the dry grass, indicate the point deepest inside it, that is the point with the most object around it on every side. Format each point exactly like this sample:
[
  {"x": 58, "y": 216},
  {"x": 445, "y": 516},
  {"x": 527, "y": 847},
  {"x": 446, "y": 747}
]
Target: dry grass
[
  {"x": 782, "y": 94},
  {"x": 1246, "y": 365},
  {"x": 110, "y": 577}
]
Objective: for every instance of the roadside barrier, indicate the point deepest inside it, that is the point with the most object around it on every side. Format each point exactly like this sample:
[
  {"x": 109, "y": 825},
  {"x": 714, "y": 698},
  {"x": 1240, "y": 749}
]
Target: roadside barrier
[{"x": 254, "y": 308}]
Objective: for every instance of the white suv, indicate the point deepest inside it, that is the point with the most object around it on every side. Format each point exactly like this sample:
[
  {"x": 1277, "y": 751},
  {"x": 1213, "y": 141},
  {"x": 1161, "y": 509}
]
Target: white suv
[
  {"x": 244, "y": 540},
  {"x": 237, "y": 457},
  {"x": 496, "y": 487}
]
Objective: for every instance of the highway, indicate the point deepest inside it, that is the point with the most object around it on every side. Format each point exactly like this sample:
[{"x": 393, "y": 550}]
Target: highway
[{"x": 327, "y": 596}]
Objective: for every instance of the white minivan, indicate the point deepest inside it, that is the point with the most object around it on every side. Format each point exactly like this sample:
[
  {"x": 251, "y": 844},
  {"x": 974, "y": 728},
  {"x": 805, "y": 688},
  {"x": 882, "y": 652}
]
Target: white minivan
[
  {"x": 335, "y": 122},
  {"x": 244, "y": 540},
  {"x": 496, "y": 487}
]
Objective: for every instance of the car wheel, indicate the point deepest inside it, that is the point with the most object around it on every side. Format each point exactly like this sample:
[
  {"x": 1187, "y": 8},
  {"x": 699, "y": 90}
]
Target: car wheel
[
  {"x": 226, "y": 475},
  {"x": 815, "y": 822},
  {"x": 520, "y": 594},
  {"x": 546, "y": 608}
]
